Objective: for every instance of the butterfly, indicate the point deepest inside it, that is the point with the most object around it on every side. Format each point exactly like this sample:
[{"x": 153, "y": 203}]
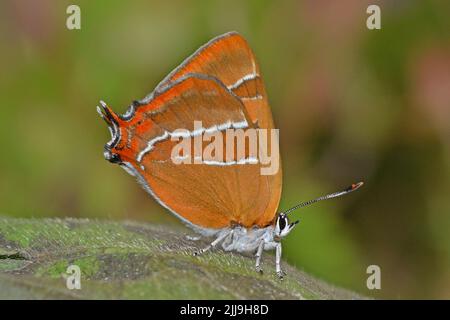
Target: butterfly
[{"x": 219, "y": 85}]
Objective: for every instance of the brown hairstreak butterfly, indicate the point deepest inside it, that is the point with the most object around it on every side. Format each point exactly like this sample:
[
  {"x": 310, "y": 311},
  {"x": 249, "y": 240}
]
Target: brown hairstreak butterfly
[{"x": 217, "y": 90}]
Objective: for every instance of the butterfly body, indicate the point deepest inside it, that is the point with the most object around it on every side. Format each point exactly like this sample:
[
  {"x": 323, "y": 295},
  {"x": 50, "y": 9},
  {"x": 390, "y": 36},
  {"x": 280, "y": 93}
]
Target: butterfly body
[{"x": 248, "y": 239}]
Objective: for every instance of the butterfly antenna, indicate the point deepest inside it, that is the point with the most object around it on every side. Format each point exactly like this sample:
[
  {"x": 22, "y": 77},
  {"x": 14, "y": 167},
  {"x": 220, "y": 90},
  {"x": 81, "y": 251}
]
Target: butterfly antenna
[{"x": 352, "y": 188}]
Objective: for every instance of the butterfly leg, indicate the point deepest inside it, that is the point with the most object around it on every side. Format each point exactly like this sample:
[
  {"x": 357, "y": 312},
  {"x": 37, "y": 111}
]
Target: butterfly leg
[
  {"x": 280, "y": 273},
  {"x": 214, "y": 243},
  {"x": 258, "y": 257}
]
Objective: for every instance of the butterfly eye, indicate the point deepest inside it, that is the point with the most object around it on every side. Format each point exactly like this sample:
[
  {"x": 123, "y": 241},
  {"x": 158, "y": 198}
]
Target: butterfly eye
[{"x": 282, "y": 222}]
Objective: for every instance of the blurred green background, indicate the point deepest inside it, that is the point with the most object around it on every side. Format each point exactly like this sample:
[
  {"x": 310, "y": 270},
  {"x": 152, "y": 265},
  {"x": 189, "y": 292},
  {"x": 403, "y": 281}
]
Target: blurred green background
[{"x": 351, "y": 104}]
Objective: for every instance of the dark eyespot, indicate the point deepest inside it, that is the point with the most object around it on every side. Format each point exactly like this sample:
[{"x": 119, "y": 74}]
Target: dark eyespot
[{"x": 112, "y": 157}]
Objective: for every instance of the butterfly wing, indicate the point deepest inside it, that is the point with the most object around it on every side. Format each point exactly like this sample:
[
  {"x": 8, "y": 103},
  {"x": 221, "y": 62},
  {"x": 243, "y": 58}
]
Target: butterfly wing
[
  {"x": 208, "y": 195},
  {"x": 230, "y": 59}
]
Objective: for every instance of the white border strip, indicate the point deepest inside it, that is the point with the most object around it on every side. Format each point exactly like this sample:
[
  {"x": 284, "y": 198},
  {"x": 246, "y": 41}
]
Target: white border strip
[{"x": 227, "y": 125}]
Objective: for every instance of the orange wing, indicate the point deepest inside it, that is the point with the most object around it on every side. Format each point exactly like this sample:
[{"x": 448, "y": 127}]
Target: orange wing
[
  {"x": 209, "y": 196},
  {"x": 230, "y": 59}
]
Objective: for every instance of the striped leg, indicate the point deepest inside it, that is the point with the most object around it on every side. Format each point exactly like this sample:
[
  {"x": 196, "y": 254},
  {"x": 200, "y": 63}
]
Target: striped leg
[
  {"x": 258, "y": 256},
  {"x": 214, "y": 243},
  {"x": 280, "y": 273}
]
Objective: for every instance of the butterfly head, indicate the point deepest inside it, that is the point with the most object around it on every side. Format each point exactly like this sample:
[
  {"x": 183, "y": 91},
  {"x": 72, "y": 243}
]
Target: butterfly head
[{"x": 282, "y": 226}]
